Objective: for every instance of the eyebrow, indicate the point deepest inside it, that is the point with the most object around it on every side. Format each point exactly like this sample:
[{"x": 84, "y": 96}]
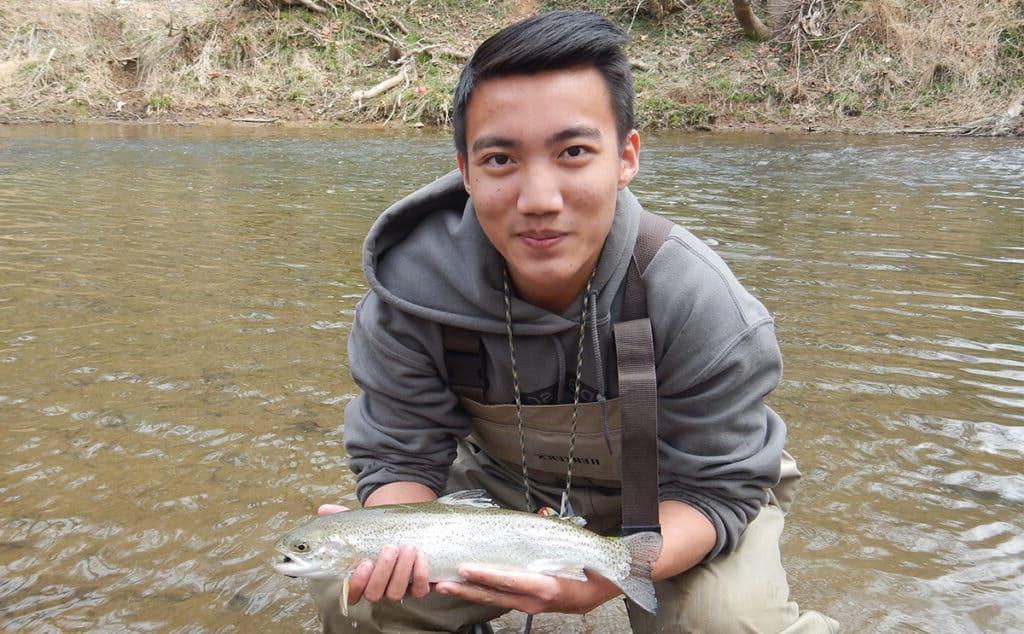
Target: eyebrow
[
  {"x": 495, "y": 141},
  {"x": 574, "y": 132},
  {"x": 492, "y": 140}
]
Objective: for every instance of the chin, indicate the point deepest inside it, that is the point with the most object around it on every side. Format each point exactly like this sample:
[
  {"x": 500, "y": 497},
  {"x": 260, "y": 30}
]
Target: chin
[{"x": 547, "y": 277}]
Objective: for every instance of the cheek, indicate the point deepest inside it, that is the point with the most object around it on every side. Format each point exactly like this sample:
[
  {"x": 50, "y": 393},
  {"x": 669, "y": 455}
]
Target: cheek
[
  {"x": 491, "y": 206},
  {"x": 599, "y": 201},
  {"x": 492, "y": 223},
  {"x": 491, "y": 197}
]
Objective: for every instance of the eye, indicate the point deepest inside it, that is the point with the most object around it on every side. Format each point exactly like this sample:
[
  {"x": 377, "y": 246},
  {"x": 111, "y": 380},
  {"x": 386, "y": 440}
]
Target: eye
[
  {"x": 302, "y": 547},
  {"x": 575, "y": 151},
  {"x": 498, "y": 160}
]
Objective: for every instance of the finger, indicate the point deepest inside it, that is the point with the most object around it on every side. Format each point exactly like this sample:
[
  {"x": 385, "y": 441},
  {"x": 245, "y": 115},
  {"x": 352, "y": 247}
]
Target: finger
[
  {"x": 489, "y": 596},
  {"x": 506, "y": 581},
  {"x": 398, "y": 586},
  {"x": 357, "y": 583},
  {"x": 330, "y": 509},
  {"x": 420, "y": 577},
  {"x": 382, "y": 569}
]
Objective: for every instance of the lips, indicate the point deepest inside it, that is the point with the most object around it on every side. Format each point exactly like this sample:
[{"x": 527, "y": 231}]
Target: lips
[{"x": 541, "y": 239}]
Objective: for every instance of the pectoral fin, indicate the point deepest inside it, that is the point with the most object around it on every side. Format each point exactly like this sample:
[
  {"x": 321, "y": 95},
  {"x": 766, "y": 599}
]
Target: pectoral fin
[
  {"x": 344, "y": 594},
  {"x": 557, "y": 568},
  {"x": 471, "y": 498}
]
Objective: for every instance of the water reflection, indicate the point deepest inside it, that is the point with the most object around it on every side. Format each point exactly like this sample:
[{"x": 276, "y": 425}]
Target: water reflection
[{"x": 173, "y": 310}]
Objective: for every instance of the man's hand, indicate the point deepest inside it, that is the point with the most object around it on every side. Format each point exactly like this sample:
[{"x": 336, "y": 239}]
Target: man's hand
[
  {"x": 529, "y": 592},
  {"x": 398, "y": 572}
]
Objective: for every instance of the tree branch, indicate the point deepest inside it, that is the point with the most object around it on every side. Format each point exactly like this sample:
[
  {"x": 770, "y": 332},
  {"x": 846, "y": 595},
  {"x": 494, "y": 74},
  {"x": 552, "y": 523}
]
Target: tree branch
[{"x": 383, "y": 86}]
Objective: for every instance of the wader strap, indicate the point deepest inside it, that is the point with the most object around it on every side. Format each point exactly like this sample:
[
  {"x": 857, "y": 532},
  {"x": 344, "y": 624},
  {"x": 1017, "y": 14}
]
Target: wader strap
[
  {"x": 652, "y": 234},
  {"x": 638, "y": 386},
  {"x": 634, "y": 344},
  {"x": 463, "y": 354}
]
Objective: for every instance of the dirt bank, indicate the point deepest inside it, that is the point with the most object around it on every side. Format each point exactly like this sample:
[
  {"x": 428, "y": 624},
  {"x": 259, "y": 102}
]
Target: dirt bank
[{"x": 871, "y": 65}]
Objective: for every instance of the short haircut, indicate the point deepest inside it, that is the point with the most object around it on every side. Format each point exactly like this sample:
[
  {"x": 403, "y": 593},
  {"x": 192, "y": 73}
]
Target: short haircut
[{"x": 559, "y": 40}]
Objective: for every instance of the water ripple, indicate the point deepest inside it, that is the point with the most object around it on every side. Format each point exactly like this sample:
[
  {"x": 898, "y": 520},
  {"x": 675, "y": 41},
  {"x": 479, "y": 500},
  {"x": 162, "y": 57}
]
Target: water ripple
[{"x": 173, "y": 367}]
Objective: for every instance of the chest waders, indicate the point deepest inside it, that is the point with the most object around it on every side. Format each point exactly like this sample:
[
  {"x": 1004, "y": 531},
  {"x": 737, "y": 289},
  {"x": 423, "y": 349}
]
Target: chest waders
[{"x": 616, "y": 467}]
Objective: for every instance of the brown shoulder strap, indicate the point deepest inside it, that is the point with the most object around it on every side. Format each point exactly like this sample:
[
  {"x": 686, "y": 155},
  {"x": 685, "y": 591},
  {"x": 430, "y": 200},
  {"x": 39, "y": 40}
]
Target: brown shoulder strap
[
  {"x": 638, "y": 386},
  {"x": 463, "y": 356},
  {"x": 653, "y": 232}
]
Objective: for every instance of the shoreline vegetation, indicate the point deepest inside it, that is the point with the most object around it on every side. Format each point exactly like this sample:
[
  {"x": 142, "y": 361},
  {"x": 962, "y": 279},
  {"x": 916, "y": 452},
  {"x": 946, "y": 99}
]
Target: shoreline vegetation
[{"x": 951, "y": 67}]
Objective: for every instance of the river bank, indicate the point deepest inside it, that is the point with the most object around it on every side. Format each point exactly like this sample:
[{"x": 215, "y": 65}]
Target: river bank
[{"x": 874, "y": 66}]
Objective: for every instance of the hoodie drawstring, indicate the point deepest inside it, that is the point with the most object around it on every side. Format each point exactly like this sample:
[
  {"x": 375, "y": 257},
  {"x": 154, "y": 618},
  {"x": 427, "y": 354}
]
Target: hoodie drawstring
[
  {"x": 599, "y": 365},
  {"x": 560, "y": 354},
  {"x": 566, "y": 510}
]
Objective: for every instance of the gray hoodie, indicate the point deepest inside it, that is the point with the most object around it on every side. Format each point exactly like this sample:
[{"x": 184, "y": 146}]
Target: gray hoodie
[{"x": 429, "y": 263}]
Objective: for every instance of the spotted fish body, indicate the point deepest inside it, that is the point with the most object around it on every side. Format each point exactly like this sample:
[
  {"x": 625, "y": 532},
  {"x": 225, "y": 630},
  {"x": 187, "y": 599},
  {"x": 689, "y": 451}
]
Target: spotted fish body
[{"x": 466, "y": 528}]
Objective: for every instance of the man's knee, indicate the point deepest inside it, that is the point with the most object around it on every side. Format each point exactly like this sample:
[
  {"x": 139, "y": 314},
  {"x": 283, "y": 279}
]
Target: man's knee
[
  {"x": 743, "y": 591},
  {"x": 722, "y": 604}
]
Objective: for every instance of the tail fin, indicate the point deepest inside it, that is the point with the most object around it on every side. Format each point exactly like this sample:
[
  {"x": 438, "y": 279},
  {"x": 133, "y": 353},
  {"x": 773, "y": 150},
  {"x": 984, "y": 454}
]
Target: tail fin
[{"x": 644, "y": 548}]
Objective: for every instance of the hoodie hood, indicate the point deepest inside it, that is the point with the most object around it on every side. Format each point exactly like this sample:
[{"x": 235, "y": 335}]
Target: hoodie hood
[{"x": 428, "y": 256}]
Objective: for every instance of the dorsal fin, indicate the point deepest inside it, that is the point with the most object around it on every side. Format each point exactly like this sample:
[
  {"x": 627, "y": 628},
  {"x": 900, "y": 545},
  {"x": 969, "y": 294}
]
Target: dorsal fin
[
  {"x": 474, "y": 498},
  {"x": 578, "y": 520}
]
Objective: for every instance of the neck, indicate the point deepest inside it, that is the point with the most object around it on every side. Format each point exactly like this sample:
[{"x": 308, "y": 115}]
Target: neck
[
  {"x": 556, "y": 303},
  {"x": 554, "y": 298}
]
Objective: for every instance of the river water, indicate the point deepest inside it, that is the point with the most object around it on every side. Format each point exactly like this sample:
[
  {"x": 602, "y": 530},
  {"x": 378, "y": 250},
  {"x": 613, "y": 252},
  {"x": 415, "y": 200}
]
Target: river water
[{"x": 174, "y": 305}]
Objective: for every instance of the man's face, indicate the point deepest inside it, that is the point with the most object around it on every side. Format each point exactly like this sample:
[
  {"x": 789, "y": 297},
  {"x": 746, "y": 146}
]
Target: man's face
[{"x": 543, "y": 167}]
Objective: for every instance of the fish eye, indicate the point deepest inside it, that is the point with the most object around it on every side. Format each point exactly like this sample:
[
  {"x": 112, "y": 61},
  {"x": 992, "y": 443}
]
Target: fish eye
[{"x": 302, "y": 547}]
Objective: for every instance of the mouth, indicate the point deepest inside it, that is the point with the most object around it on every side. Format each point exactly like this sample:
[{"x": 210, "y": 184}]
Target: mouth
[
  {"x": 289, "y": 567},
  {"x": 541, "y": 239}
]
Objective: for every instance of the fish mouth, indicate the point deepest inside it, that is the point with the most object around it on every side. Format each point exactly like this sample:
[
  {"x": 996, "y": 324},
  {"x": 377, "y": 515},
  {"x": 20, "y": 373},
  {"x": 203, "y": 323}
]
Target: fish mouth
[{"x": 288, "y": 565}]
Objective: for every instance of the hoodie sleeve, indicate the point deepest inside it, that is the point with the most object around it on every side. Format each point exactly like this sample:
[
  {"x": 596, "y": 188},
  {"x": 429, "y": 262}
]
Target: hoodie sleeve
[
  {"x": 405, "y": 424},
  {"x": 720, "y": 445}
]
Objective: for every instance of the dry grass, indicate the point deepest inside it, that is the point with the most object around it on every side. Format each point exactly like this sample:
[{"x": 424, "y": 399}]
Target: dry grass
[
  {"x": 953, "y": 60},
  {"x": 837, "y": 63},
  {"x": 875, "y": 64}
]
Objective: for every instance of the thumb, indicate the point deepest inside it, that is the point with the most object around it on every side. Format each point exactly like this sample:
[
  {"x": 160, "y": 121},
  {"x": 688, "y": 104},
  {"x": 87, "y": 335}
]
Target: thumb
[{"x": 330, "y": 509}]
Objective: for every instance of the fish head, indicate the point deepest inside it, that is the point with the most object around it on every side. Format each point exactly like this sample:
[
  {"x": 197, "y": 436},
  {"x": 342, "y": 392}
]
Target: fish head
[{"x": 304, "y": 554}]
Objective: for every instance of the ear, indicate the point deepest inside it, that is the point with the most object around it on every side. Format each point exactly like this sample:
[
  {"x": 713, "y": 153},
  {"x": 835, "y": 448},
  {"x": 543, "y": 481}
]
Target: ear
[
  {"x": 629, "y": 161},
  {"x": 464, "y": 168}
]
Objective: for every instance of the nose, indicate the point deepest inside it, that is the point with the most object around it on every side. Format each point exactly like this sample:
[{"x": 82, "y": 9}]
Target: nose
[{"x": 539, "y": 191}]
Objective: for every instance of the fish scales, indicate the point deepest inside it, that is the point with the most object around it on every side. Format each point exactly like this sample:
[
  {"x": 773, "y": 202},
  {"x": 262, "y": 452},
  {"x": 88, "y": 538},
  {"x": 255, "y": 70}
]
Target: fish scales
[{"x": 466, "y": 528}]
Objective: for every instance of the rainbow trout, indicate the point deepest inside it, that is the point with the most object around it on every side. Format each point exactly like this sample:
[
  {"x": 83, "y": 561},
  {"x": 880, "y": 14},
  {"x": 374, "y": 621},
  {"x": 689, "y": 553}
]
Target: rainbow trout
[{"x": 467, "y": 528}]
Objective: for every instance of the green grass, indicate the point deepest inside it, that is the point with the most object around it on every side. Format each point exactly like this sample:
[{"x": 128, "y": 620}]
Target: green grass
[
  {"x": 158, "y": 103},
  {"x": 665, "y": 112},
  {"x": 847, "y": 103},
  {"x": 1010, "y": 57}
]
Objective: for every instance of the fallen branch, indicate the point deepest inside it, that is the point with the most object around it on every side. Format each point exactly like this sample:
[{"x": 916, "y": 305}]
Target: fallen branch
[
  {"x": 376, "y": 34},
  {"x": 312, "y": 5},
  {"x": 1007, "y": 123},
  {"x": 382, "y": 87},
  {"x": 435, "y": 49},
  {"x": 845, "y": 36},
  {"x": 255, "y": 119},
  {"x": 371, "y": 16},
  {"x": 39, "y": 73},
  {"x": 450, "y": 52}
]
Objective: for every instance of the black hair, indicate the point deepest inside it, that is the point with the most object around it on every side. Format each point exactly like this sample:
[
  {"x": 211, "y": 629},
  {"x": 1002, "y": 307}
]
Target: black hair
[{"x": 558, "y": 40}]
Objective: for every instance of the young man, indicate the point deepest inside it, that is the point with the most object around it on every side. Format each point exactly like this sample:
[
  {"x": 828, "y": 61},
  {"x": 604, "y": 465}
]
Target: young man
[{"x": 515, "y": 268}]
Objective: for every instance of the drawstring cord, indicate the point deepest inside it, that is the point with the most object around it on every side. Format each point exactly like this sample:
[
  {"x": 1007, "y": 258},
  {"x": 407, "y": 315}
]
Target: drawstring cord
[
  {"x": 566, "y": 507},
  {"x": 599, "y": 365}
]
